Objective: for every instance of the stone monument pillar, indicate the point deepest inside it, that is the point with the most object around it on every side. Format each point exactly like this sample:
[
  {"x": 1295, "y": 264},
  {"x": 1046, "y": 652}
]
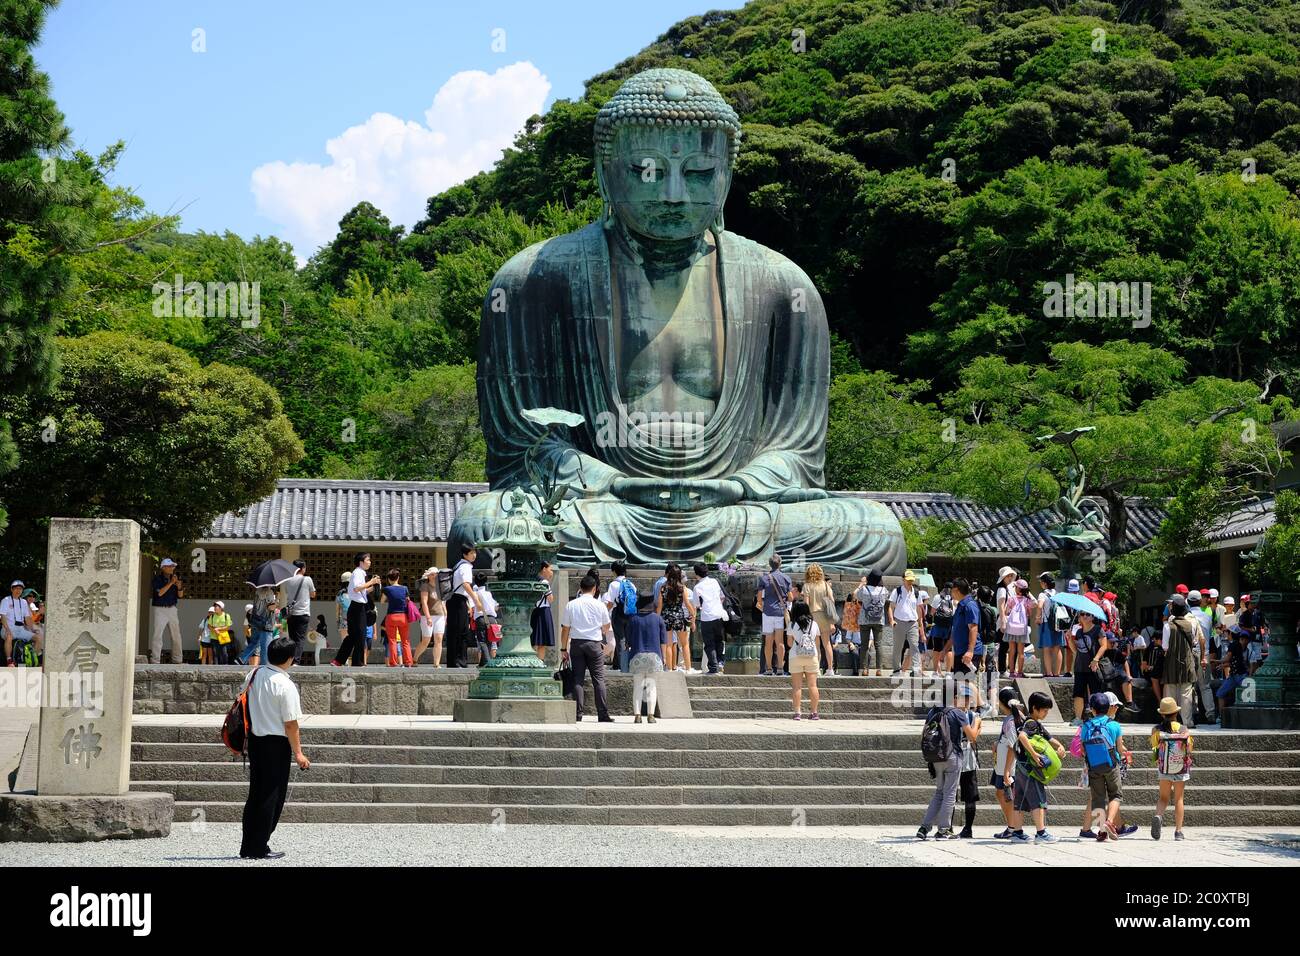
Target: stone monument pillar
[{"x": 84, "y": 751}]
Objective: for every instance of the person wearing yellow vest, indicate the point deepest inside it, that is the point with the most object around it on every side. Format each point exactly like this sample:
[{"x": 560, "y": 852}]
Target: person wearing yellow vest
[{"x": 219, "y": 625}]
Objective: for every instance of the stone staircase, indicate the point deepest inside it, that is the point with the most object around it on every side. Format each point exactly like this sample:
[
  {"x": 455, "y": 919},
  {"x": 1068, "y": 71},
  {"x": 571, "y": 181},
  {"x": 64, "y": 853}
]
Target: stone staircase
[
  {"x": 847, "y": 698},
  {"x": 752, "y": 774}
]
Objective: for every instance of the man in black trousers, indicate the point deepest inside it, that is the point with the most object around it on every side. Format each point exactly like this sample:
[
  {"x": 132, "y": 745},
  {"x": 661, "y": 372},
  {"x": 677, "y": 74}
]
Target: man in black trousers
[{"x": 273, "y": 713}]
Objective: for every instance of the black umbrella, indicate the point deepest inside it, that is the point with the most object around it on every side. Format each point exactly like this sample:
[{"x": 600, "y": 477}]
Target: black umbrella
[{"x": 271, "y": 574}]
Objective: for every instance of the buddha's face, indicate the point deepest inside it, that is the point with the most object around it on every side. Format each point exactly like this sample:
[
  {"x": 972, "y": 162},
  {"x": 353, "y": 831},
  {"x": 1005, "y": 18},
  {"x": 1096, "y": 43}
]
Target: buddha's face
[{"x": 668, "y": 182}]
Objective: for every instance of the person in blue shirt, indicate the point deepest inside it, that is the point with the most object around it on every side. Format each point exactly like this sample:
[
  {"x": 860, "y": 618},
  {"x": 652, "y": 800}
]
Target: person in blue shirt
[
  {"x": 967, "y": 648},
  {"x": 645, "y": 634},
  {"x": 1104, "y": 752}
]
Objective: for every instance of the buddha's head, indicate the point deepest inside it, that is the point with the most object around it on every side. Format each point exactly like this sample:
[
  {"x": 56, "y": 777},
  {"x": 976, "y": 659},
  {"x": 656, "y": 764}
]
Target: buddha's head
[{"x": 665, "y": 146}]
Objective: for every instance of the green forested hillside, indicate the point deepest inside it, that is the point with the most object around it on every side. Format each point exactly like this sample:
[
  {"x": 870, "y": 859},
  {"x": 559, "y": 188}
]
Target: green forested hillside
[{"x": 931, "y": 165}]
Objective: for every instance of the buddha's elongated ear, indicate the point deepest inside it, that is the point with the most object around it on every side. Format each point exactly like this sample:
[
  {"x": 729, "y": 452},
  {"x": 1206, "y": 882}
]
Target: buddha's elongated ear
[
  {"x": 607, "y": 209},
  {"x": 719, "y": 224}
]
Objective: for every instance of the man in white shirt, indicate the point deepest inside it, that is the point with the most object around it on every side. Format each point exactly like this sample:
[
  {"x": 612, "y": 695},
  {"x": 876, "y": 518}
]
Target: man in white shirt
[
  {"x": 463, "y": 596},
  {"x": 708, "y": 598},
  {"x": 903, "y": 611},
  {"x": 359, "y": 585},
  {"x": 273, "y": 714},
  {"x": 584, "y": 630},
  {"x": 299, "y": 592},
  {"x": 16, "y": 620}
]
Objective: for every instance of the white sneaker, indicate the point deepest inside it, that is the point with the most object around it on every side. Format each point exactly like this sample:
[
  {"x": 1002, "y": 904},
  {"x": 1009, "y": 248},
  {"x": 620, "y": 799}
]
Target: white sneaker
[
  {"x": 830, "y": 672},
  {"x": 681, "y": 668},
  {"x": 1005, "y": 675}
]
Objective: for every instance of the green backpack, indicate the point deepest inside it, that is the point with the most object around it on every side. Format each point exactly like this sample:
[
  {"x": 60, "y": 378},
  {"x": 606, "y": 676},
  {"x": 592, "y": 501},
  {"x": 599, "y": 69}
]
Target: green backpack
[{"x": 1043, "y": 747}]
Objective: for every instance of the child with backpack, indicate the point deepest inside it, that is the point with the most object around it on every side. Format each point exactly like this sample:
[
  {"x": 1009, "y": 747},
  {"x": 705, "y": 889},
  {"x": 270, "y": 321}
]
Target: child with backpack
[
  {"x": 205, "y": 639},
  {"x": 803, "y": 636},
  {"x": 1038, "y": 761},
  {"x": 1004, "y": 758},
  {"x": 942, "y": 737},
  {"x": 485, "y": 616},
  {"x": 1101, "y": 741},
  {"x": 1017, "y": 616},
  {"x": 968, "y": 787},
  {"x": 1171, "y": 748}
]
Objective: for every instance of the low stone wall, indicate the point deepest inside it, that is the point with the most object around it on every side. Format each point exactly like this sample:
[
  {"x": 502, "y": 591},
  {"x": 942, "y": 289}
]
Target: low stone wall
[
  {"x": 1063, "y": 691},
  {"x": 188, "y": 689}
]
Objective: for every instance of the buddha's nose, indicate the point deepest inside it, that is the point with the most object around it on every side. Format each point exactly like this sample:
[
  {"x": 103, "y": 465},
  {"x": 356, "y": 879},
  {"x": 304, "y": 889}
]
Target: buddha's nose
[{"x": 675, "y": 185}]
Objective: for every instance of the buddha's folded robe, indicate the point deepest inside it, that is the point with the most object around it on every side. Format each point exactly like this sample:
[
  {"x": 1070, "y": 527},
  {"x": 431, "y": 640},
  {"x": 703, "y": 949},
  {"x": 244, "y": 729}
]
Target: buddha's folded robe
[{"x": 547, "y": 339}]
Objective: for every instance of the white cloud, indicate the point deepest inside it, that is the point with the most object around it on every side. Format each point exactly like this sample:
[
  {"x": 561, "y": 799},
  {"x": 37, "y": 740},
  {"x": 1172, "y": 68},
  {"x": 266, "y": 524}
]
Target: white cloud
[{"x": 398, "y": 164}]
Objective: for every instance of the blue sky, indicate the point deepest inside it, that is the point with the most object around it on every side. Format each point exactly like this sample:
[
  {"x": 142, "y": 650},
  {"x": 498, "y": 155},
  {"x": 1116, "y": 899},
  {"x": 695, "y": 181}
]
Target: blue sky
[{"x": 237, "y": 134}]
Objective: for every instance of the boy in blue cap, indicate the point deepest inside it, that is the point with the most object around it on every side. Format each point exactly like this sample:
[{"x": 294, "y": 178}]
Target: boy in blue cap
[{"x": 1104, "y": 751}]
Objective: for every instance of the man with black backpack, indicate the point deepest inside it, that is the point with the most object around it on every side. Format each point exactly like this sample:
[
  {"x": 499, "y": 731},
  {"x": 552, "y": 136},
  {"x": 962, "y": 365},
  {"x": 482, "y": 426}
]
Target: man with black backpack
[
  {"x": 941, "y": 746},
  {"x": 872, "y": 597}
]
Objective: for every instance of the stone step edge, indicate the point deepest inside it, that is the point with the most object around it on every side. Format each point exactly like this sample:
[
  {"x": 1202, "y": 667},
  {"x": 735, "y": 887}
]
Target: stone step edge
[
  {"x": 308, "y": 784},
  {"x": 479, "y": 766}
]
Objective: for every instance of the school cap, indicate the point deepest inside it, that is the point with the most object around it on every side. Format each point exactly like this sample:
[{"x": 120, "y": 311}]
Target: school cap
[
  {"x": 1099, "y": 703},
  {"x": 909, "y": 576},
  {"x": 347, "y": 576},
  {"x": 1177, "y": 600},
  {"x": 1214, "y": 592},
  {"x": 219, "y": 604},
  {"x": 168, "y": 563},
  {"x": 1108, "y": 596},
  {"x": 15, "y": 584},
  {"x": 965, "y": 688},
  {"x": 1006, "y": 569},
  {"x": 1181, "y": 589},
  {"x": 1112, "y": 700},
  {"x": 1194, "y": 597},
  {"x": 1073, "y": 586},
  {"x": 429, "y": 571}
]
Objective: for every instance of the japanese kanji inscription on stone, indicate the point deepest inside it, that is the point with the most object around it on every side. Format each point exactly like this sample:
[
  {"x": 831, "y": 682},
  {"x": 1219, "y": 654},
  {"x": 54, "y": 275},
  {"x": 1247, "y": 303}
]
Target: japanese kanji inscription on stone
[{"x": 90, "y": 639}]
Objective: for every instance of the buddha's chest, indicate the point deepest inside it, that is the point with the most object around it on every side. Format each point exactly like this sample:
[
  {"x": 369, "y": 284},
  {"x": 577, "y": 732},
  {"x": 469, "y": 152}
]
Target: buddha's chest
[{"x": 669, "y": 340}]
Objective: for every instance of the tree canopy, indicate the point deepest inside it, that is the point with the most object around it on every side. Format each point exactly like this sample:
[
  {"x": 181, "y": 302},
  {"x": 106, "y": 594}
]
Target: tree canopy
[{"x": 1023, "y": 217}]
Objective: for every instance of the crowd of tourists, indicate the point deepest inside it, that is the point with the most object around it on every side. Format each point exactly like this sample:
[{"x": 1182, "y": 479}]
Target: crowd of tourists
[{"x": 1027, "y": 758}]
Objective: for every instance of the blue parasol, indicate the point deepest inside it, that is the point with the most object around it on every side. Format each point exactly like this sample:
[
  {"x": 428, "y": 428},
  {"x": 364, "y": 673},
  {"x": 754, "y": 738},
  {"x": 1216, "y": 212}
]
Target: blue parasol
[{"x": 1077, "y": 602}]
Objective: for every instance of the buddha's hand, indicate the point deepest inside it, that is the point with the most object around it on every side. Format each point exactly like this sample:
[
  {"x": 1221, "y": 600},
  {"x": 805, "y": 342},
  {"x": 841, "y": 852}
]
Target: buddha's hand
[
  {"x": 676, "y": 494},
  {"x": 791, "y": 495}
]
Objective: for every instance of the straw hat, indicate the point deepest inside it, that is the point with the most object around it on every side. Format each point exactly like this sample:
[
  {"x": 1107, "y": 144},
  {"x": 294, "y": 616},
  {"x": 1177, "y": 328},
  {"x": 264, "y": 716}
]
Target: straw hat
[{"x": 1169, "y": 706}]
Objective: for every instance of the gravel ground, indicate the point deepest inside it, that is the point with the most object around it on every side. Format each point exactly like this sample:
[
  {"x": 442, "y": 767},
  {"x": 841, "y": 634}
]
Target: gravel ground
[
  {"x": 217, "y": 844},
  {"x": 472, "y": 845}
]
